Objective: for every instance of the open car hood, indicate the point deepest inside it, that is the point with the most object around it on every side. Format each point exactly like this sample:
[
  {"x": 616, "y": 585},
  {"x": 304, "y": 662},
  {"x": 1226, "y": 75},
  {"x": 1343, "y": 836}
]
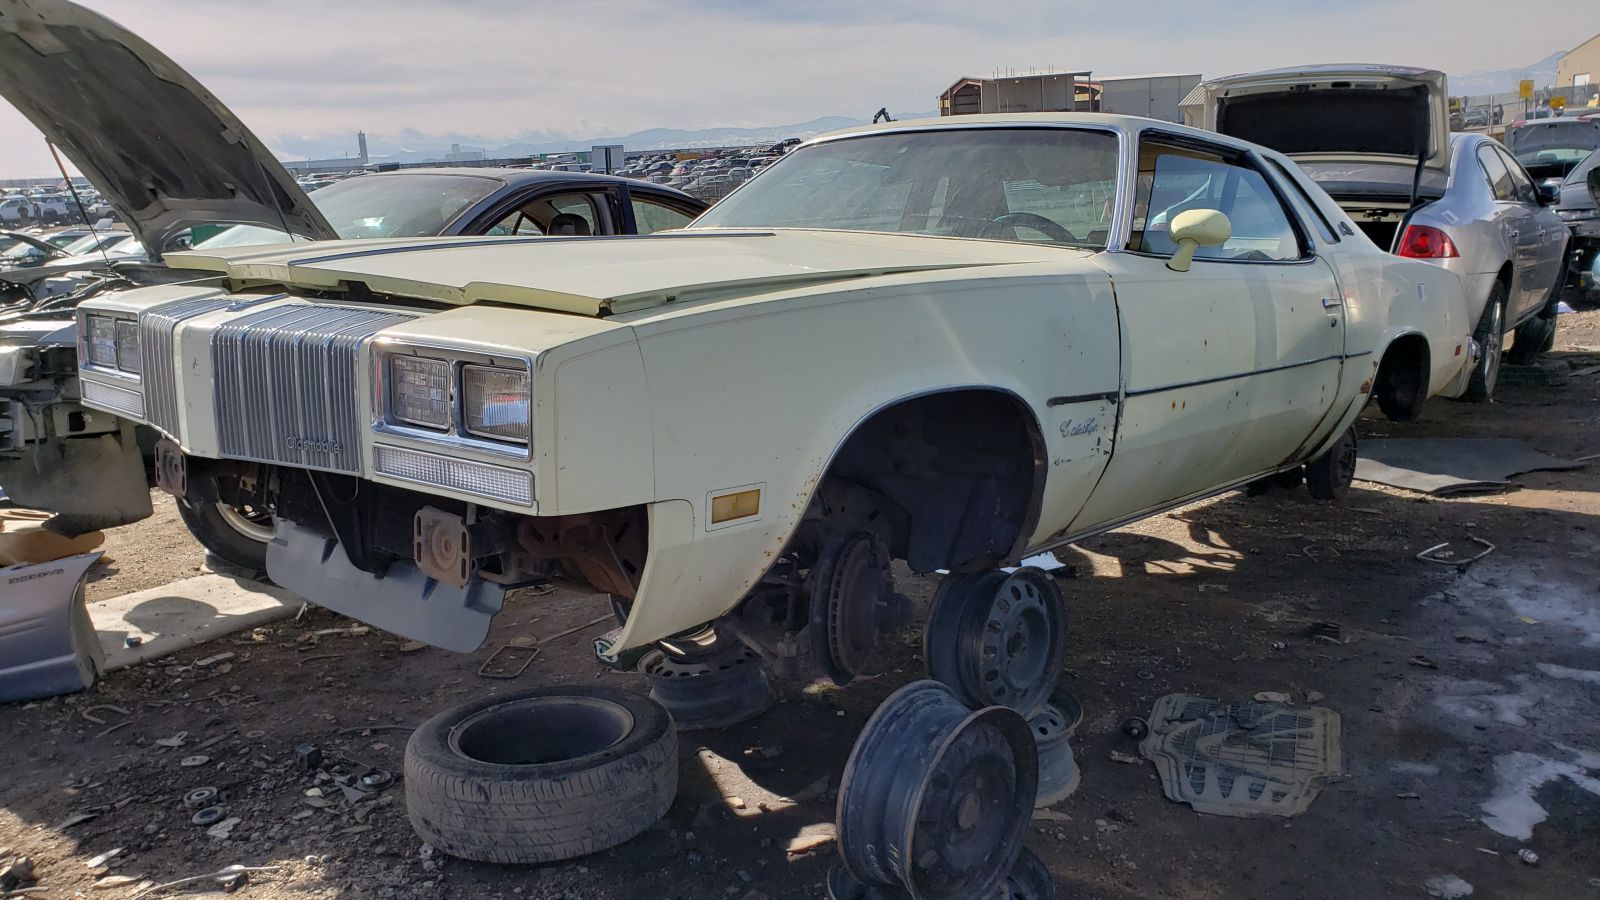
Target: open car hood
[
  {"x": 163, "y": 151},
  {"x": 1337, "y": 113}
]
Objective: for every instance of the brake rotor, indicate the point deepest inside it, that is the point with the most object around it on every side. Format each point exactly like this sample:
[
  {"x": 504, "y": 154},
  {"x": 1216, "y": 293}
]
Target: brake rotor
[
  {"x": 710, "y": 691},
  {"x": 935, "y": 797},
  {"x": 998, "y": 640},
  {"x": 851, "y": 590}
]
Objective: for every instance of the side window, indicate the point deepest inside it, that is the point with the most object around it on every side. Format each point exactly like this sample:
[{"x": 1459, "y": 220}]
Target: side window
[
  {"x": 1499, "y": 178},
  {"x": 1174, "y": 180},
  {"x": 575, "y": 215},
  {"x": 650, "y": 216},
  {"x": 1324, "y": 227},
  {"x": 1519, "y": 179}
]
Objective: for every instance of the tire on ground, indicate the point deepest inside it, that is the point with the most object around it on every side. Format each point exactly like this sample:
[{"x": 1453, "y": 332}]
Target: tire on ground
[
  {"x": 541, "y": 775},
  {"x": 206, "y": 522}
]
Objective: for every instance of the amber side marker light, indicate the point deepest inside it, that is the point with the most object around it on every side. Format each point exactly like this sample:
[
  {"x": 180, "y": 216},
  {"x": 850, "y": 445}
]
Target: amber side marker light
[{"x": 741, "y": 505}]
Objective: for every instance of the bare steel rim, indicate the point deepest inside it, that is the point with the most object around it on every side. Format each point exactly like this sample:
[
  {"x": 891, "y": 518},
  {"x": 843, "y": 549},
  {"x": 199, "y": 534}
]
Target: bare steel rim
[
  {"x": 935, "y": 798},
  {"x": 247, "y": 520},
  {"x": 533, "y": 731},
  {"x": 998, "y": 640}
]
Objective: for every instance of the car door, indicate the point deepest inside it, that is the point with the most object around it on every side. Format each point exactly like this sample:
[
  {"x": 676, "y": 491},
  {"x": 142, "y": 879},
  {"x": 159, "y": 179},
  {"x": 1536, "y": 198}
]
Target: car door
[
  {"x": 1229, "y": 368},
  {"x": 1518, "y": 225},
  {"x": 652, "y": 211},
  {"x": 1551, "y": 234}
]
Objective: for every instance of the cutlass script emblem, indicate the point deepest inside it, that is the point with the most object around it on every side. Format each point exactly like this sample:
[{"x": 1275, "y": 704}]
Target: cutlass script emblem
[{"x": 295, "y": 442}]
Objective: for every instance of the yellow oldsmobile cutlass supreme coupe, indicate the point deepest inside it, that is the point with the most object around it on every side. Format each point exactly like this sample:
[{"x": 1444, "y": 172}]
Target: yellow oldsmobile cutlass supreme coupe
[{"x": 952, "y": 342}]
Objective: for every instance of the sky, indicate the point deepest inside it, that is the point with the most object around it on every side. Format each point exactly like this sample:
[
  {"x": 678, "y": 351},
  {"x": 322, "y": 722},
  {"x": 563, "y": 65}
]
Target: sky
[{"x": 304, "y": 75}]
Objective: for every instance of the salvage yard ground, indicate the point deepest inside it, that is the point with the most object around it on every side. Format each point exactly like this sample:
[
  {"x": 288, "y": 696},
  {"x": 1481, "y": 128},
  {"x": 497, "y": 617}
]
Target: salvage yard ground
[{"x": 1469, "y": 704}]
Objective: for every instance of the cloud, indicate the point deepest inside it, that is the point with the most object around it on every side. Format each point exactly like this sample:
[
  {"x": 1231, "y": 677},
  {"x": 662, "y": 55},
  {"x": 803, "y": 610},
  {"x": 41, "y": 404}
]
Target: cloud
[{"x": 493, "y": 69}]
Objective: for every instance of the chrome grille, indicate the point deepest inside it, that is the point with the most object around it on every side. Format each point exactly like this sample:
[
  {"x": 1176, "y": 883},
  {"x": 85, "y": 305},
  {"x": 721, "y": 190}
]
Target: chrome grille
[
  {"x": 156, "y": 344},
  {"x": 287, "y": 384}
]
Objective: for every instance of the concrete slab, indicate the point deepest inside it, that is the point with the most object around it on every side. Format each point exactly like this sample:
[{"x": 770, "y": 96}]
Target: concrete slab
[{"x": 183, "y": 614}]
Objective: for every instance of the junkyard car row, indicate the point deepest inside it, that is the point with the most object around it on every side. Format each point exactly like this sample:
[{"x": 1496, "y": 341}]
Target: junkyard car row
[{"x": 954, "y": 343}]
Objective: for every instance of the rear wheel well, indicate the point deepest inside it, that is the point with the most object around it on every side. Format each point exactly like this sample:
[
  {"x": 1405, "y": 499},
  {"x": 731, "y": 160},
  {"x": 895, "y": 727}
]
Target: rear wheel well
[
  {"x": 960, "y": 471},
  {"x": 1401, "y": 384}
]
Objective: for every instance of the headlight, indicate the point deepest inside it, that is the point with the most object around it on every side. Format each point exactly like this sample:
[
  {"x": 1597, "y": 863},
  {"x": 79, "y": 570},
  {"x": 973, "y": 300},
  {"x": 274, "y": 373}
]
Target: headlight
[
  {"x": 419, "y": 391},
  {"x": 103, "y": 342},
  {"x": 129, "y": 358},
  {"x": 495, "y": 402},
  {"x": 1578, "y": 215}
]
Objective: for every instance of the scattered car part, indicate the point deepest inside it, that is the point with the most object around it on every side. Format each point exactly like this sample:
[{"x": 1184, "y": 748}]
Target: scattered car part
[
  {"x": 1328, "y": 477},
  {"x": 1448, "y": 558},
  {"x": 540, "y": 775},
  {"x": 210, "y": 815},
  {"x": 375, "y": 781},
  {"x": 1447, "y": 465},
  {"x": 190, "y": 762},
  {"x": 606, "y": 655},
  {"x": 519, "y": 657},
  {"x": 998, "y": 639},
  {"x": 852, "y": 602},
  {"x": 714, "y": 690},
  {"x": 935, "y": 797},
  {"x": 1135, "y": 727},
  {"x": 307, "y": 757},
  {"x": 48, "y": 645},
  {"x": 200, "y": 797},
  {"x": 1052, "y": 728},
  {"x": 26, "y": 538},
  {"x": 1242, "y": 759}
]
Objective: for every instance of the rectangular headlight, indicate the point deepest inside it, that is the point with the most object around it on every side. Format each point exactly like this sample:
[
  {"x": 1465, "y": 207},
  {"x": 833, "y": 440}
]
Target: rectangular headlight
[
  {"x": 495, "y": 402},
  {"x": 419, "y": 391},
  {"x": 103, "y": 342},
  {"x": 129, "y": 357}
]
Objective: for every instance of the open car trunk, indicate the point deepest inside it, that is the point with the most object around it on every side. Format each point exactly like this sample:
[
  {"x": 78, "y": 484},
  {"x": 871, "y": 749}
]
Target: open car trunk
[{"x": 1376, "y": 138}]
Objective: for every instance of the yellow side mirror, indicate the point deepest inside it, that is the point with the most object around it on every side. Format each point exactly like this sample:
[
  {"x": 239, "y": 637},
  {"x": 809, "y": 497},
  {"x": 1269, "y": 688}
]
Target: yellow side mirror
[{"x": 1196, "y": 228}]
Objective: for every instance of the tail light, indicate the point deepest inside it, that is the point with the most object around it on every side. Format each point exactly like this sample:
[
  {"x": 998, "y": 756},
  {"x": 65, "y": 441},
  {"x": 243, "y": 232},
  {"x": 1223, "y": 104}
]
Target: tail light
[{"x": 1426, "y": 242}]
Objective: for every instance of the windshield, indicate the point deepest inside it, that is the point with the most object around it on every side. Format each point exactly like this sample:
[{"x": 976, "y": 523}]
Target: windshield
[
  {"x": 374, "y": 206},
  {"x": 1557, "y": 142},
  {"x": 1037, "y": 185}
]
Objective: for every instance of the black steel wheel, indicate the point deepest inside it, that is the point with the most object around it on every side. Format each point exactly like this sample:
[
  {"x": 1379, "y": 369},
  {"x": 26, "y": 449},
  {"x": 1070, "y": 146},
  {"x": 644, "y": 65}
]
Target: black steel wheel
[
  {"x": 935, "y": 798},
  {"x": 997, "y": 639},
  {"x": 713, "y": 690},
  {"x": 1329, "y": 476},
  {"x": 541, "y": 775},
  {"x": 1030, "y": 879}
]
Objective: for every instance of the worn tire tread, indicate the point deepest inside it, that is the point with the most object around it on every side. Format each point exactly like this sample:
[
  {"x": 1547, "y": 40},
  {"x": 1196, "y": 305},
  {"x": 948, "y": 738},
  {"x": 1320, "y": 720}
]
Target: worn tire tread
[{"x": 524, "y": 814}]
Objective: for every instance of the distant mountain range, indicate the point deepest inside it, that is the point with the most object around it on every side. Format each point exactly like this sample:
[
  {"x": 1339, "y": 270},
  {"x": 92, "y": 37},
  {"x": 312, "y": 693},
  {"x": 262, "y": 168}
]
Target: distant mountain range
[
  {"x": 1505, "y": 81},
  {"x": 430, "y": 148}
]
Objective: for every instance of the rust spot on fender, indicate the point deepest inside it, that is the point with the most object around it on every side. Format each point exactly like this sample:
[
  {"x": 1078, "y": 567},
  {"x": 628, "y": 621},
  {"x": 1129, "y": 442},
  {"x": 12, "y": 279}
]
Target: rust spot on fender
[{"x": 1366, "y": 386}]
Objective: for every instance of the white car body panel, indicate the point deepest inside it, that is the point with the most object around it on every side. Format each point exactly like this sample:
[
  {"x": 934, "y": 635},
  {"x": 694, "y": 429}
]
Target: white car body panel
[{"x": 667, "y": 370}]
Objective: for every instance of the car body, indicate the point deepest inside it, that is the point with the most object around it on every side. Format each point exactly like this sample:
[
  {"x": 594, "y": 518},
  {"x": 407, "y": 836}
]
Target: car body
[
  {"x": 1376, "y": 139},
  {"x": 973, "y": 327},
  {"x": 1580, "y": 210},
  {"x": 1549, "y": 148},
  {"x": 172, "y": 162}
]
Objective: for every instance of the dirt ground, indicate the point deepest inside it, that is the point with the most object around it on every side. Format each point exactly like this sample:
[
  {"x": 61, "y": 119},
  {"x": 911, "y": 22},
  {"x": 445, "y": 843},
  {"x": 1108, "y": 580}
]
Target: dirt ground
[{"x": 1469, "y": 705}]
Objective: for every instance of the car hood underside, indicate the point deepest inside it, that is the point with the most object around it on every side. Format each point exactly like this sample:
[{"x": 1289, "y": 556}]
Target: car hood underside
[
  {"x": 165, "y": 153},
  {"x": 603, "y": 275}
]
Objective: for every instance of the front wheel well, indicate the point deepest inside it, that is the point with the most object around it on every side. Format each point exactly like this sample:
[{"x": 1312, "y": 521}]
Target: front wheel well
[
  {"x": 1401, "y": 385},
  {"x": 962, "y": 470}
]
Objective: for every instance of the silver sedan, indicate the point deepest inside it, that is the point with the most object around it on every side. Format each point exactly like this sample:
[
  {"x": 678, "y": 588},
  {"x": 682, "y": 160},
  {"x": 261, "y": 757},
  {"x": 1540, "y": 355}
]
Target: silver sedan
[{"x": 1495, "y": 228}]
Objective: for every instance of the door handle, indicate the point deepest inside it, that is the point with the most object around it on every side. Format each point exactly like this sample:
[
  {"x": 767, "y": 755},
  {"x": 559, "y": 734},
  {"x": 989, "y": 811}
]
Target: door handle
[{"x": 1331, "y": 302}]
